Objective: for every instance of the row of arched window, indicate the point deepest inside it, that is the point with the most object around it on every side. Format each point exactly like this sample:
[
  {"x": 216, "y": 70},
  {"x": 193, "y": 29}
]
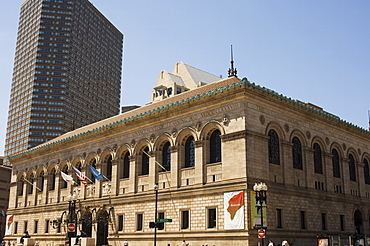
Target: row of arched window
[
  {"x": 297, "y": 158},
  {"x": 163, "y": 159},
  {"x": 187, "y": 160}
]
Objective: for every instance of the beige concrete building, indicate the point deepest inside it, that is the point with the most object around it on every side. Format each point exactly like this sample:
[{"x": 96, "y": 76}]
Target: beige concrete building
[{"x": 203, "y": 148}]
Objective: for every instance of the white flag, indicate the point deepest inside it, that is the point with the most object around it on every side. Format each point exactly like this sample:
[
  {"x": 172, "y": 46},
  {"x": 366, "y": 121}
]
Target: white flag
[{"x": 67, "y": 178}]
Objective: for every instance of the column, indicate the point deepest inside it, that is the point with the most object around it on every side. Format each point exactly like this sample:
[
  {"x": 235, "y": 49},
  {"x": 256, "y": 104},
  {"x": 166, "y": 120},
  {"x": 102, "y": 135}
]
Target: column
[
  {"x": 133, "y": 174},
  {"x": 115, "y": 177},
  {"x": 344, "y": 176},
  {"x": 24, "y": 196},
  {"x": 45, "y": 190},
  {"x": 153, "y": 170},
  {"x": 361, "y": 178},
  {"x": 175, "y": 167},
  {"x": 308, "y": 167},
  {"x": 98, "y": 184},
  {"x": 287, "y": 162},
  {"x": 199, "y": 163},
  {"x": 34, "y": 191}
]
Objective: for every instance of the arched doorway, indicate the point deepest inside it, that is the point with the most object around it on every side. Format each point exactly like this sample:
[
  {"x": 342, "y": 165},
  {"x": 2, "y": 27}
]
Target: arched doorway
[
  {"x": 86, "y": 222},
  {"x": 102, "y": 220},
  {"x": 357, "y": 217}
]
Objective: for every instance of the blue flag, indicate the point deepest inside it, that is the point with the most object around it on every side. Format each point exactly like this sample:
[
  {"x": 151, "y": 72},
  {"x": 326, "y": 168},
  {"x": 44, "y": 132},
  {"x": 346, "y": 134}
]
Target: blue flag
[{"x": 98, "y": 176}]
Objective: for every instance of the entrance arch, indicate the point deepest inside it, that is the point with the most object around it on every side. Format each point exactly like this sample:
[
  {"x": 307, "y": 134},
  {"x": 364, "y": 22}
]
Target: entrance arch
[
  {"x": 86, "y": 223},
  {"x": 102, "y": 220},
  {"x": 357, "y": 217}
]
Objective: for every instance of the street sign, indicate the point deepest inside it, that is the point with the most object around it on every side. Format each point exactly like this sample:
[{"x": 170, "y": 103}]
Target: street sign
[
  {"x": 164, "y": 220},
  {"x": 71, "y": 227},
  {"x": 261, "y": 233}
]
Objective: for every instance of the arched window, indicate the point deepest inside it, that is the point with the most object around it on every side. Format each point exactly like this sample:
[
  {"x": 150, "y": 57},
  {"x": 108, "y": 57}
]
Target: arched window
[
  {"x": 352, "y": 168},
  {"x": 215, "y": 147},
  {"x": 63, "y": 184},
  {"x": 189, "y": 152},
  {"x": 41, "y": 182},
  {"x": 89, "y": 173},
  {"x": 76, "y": 179},
  {"x": 297, "y": 154},
  {"x": 336, "y": 163},
  {"x": 366, "y": 172},
  {"x": 317, "y": 158},
  {"x": 109, "y": 168},
  {"x": 29, "y": 186},
  {"x": 126, "y": 166},
  {"x": 166, "y": 157},
  {"x": 274, "y": 147},
  {"x": 145, "y": 162},
  {"x": 52, "y": 180},
  {"x": 20, "y": 187}
]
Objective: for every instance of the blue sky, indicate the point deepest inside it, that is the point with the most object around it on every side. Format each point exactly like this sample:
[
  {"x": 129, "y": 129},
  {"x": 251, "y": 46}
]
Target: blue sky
[{"x": 314, "y": 51}]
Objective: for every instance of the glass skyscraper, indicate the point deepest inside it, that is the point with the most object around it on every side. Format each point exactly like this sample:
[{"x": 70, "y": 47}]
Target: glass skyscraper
[{"x": 67, "y": 71}]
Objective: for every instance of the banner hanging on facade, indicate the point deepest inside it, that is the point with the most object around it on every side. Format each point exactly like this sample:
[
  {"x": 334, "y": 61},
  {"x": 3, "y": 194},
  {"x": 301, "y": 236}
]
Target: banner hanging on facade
[
  {"x": 256, "y": 213},
  {"x": 9, "y": 224},
  {"x": 234, "y": 210}
]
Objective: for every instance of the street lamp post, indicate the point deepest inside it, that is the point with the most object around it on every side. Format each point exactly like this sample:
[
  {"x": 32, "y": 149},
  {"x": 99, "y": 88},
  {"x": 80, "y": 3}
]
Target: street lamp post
[
  {"x": 72, "y": 218},
  {"x": 261, "y": 197},
  {"x": 156, "y": 214}
]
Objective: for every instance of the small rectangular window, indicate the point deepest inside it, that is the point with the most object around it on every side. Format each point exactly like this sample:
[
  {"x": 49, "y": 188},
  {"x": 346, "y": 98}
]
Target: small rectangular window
[
  {"x": 212, "y": 218},
  {"x": 25, "y": 228},
  {"x": 303, "y": 220},
  {"x": 323, "y": 221},
  {"x": 185, "y": 219},
  {"x": 139, "y": 222},
  {"x": 35, "y": 226},
  {"x": 120, "y": 222},
  {"x": 342, "y": 223},
  {"x": 161, "y": 216},
  {"x": 59, "y": 227},
  {"x": 47, "y": 226},
  {"x": 16, "y": 227},
  {"x": 279, "y": 221}
]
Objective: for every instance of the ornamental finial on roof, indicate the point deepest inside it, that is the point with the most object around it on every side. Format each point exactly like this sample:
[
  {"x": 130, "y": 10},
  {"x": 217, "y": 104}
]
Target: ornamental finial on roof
[{"x": 232, "y": 71}]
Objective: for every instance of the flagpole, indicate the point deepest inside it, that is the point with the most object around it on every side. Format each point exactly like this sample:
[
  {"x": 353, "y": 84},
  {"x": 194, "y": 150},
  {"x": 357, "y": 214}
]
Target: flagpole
[
  {"x": 31, "y": 184},
  {"x": 156, "y": 162}
]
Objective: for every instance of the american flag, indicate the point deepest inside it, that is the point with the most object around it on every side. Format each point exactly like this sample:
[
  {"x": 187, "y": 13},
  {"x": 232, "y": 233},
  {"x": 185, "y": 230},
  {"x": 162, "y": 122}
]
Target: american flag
[{"x": 80, "y": 176}]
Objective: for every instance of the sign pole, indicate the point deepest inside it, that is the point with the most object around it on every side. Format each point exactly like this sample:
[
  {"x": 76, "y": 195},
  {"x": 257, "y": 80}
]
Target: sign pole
[{"x": 156, "y": 214}]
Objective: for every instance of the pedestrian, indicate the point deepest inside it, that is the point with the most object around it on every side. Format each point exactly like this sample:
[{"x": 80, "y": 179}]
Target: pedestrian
[
  {"x": 271, "y": 243},
  {"x": 125, "y": 243},
  {"x": 284, "y": 243},
  {"x": 183, "y": 243}
]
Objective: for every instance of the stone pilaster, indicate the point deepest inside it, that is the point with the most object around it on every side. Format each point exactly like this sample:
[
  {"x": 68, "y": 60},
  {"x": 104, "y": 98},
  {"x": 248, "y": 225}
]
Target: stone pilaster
[
  {"x": 153, "y": 170},
  {"x": 115, "y": 176},
  {"x": 133, "y": 174},
  {"x": 287, "y": 162},
  {"x": 199, "y": 162},
  {"x": 175, "y": 167}
]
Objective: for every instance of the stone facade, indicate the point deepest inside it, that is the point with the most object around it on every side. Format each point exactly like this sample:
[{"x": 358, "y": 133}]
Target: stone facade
[
  {"x": 301, "y": 203},
  {"x": 5, "y": 173}
]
